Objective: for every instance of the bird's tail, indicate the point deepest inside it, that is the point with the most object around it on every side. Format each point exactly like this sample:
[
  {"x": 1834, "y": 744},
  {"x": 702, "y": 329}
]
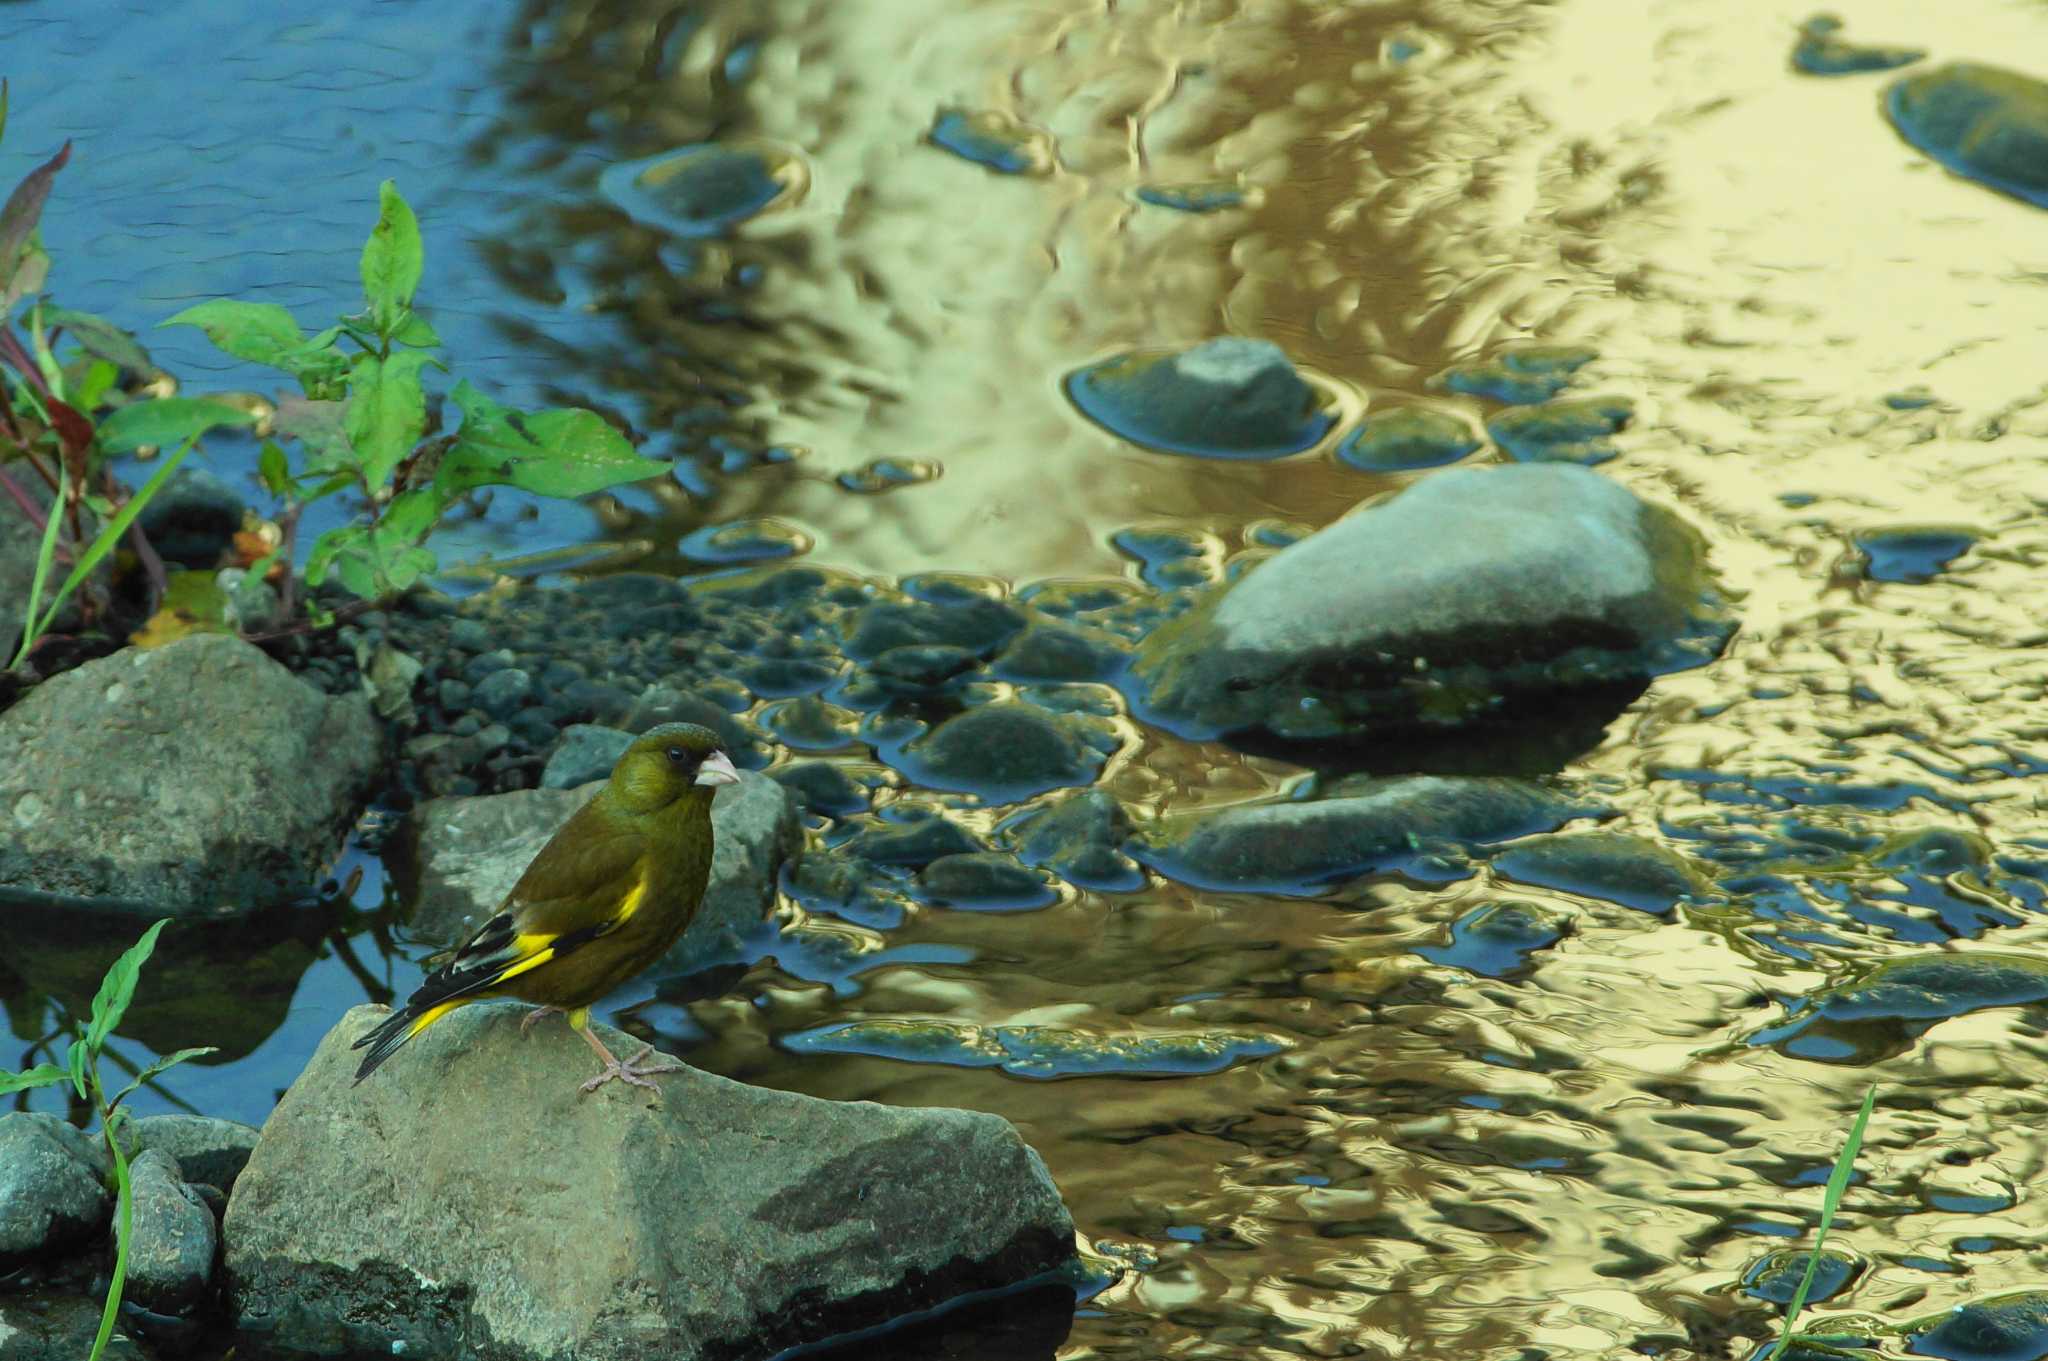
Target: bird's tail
[{"x": 388, "y": 1038}]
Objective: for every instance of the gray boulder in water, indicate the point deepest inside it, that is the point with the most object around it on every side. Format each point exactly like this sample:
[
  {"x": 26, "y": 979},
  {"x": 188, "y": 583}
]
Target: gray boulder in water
[
  {"x": 468, "y": 1198},
  {"x": 1439, "y": 608}
]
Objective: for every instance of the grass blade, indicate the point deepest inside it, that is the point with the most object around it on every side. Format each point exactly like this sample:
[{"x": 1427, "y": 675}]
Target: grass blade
[
  {"x": 45, "y": 553},
  {"x": 1831, "y": 1199}
]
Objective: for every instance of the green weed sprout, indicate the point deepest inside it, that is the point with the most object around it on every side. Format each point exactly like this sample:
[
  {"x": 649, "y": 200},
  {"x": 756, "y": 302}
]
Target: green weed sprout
[
  {"x": 1831, "y": 1199},
  {"x": 82, "y": 1072}
]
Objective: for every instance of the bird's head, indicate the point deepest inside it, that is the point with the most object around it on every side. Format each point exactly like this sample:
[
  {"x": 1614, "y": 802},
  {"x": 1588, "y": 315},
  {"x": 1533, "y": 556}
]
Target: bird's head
[{"x": 675, "y": 761}]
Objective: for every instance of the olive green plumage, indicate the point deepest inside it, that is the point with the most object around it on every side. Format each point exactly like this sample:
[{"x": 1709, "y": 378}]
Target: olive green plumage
[{"x": 605, "y": 898}]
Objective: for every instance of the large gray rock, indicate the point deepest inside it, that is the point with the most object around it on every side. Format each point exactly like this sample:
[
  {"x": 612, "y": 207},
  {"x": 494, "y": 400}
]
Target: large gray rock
[
  {"x": 712, "y": 1220},
  {"x": 193, "y": 777},
  {"x": 171, "y": 1247},
  {"x": 1979, "y": 121},
  {"x": 472, "y": 850},
  {"x": 1438, "y": 608},
  {"x": 1298, "y": 847},
  {"x": 53, "y": 1194}
]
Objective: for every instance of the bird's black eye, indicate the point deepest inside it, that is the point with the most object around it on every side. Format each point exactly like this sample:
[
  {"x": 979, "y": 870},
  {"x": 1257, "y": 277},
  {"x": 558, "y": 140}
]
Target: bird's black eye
[{"x": 679, "y": 756}]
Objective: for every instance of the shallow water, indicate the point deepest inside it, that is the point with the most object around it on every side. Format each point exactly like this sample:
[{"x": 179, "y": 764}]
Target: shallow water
[{"x": 1404, "y": 1157}]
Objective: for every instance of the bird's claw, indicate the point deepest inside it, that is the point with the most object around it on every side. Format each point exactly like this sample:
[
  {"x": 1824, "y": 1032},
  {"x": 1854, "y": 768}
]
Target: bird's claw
[
  {"x": 631, "y": 1072},
  {"x": 526, "y": 1021}
]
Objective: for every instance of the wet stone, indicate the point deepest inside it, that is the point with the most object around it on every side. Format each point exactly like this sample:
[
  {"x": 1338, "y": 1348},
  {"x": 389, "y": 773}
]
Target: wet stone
[
  {"x": 1612, "y": 866},
  {"x": 1035, "y": 1050},
  {"x": 1911, "y": 555},
  {"x": 2000, "y": 1328},
  {"x": 1226, "y": 398},
  {"x": 921, "y": 669},
  {"x": 706, "y": 191},
  {"x": 1563, "y": 432},
  {"x": 808, "y": 723},
  {"x": 916, "y": 842},
  {"x": 1004, "y": 752},
  {"x": 1407, "y": 438},
  {"x": 1050, "y": 651},
  {"x": 1935, "y": 851},
  {"x": 1881, "y": 1010},
  {"x": 744, "y": 541},
  {"x": 1983, "y": 123},
  {"x": 1079, "y": 837},
  {"x": 786, "y": 677},
  {"x": 886, "y": 474},
  {"x": 53, "y": 1197},
  {"x": 1775, "y": 1276},
  {"x": 994, "y": 140},
  {"x": 847, "y": 887},
  {"x": 1519, "y": 376},
  {"x": 1298, "y": 847},
  {"x": 1823, "y": 51},
  {"x": 1497, "y": 939},
  {"x": 823, "y": 787},
  {"x": 171, "y": 1250},
  {"x": 986, "y": 881},
  {"x": 1203, "y": 197},
  {"x": 979, "y": 626},
  {"x": 1471, "y": 592},
  {"x": 501, "y": 693},
  {"x": 585, "y": 752}
]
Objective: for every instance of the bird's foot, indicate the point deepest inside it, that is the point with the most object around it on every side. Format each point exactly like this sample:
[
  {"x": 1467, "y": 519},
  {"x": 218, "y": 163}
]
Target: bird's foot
[
  {"x": 632, "y": 1071},
  {"x": 526, "y": 1021}
]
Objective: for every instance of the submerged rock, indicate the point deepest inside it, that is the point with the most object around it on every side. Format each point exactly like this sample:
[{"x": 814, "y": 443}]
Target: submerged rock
[
  {"x": 1004, "y": 752},
  {"x": 1880, "y": 1011},
  {"x": 193, "y": 520},
  {"x": 1613, "y": 866},
  {"x": 171, "y": 1250},
  {"x": 1079, "y": 837},
  {"x": 1523, "y": 374},
  {"x": 700, "y": 1228},
  {"x": 1036, "y": 1050},
  {"x": 1440, "y": 607},
  {"x": 470, "y": 851},
  {"x": 1302, "y": 846},
  {"x": 1563, "y": 432},
  {"x": 1775, "y": 1276},
  {"x": 823, "y": 787},
  {"x": 1981, "y": 122},
  {"x": 1912, "y": 554},
  {"x": 196, "y": 776},
  {"x": 1407, "y": 438},
  {"x": 1208, "y": 196},
  {"x": 994, "y": 140},
  {"x": 1225, "y": 398},
  {"x": 1496, "y": 940},
  {"x": 914, "y": 841},
  {"x": 1050, "y": 651},
  {"x": 2000, "y": 1328},
  {"x": 53, "y": 1195},
  {"x": 987, "y": 881},
  {"x": 706, "y": 191},
  {"x": 1823, "y": 51}
]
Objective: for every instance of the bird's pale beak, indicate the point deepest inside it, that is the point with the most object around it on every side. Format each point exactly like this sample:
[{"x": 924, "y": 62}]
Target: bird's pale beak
[{"x": 717, "y": 770}]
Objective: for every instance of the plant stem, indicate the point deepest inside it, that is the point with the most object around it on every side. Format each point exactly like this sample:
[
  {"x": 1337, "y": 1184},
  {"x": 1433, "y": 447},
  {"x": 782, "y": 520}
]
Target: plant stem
[
  {"x": 288, "y": 537},
  {"x": 126, "y": 1219},
  {"x": 21, "y": 498},
  {"x": 145, "y": 551}
]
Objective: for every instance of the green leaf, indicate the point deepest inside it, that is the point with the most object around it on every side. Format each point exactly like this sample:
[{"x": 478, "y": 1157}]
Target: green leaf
[
  {"x": 28, "y": 277},
  {"x": 117, "y": 989},
  {"x": 97, "y": 381},
  {"x": 275, "y": 469},
  {"x": 1831, "y": 1199},
  {"x": 167, "y": 1061},
  {"x": 166, "y": 420},
  {"x": 42, "y": 1075},
  {"x": 96, "y": 335},
  {"x": 566, "y": 452},
  {"x": 392, "y": 259},
  {"x": 260, "y": 332},
  {"x": 25, "y": 208},
  {"x": 46, "y": 553},
  {"x": 387, "y": 410},
  {"x": 415, "y": 332},
  {"x": 76, "y": 1061},
  {"x": 322, "y": 427}
]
